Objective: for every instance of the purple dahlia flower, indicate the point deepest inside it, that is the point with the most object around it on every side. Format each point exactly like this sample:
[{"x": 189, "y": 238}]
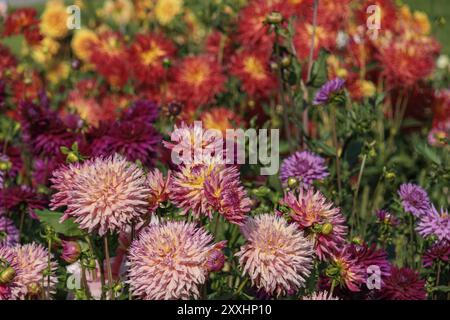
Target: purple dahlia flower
[
  {"x": 305, "y": 166},
  {"x": 328, "y": 91},
  {"x": 440, "y": 251},
  {"x": 414, "y": 199},
  {"x": 9, "y": 234}
]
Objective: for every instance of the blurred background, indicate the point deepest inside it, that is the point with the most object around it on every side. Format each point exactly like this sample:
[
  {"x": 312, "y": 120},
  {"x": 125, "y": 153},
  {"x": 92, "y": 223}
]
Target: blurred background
[{"x": 437, "y": 10}]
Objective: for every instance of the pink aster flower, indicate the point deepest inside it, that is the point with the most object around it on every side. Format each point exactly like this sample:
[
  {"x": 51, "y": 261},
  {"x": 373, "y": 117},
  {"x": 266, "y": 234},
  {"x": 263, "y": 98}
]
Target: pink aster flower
[
  {"x": 102, "y": 194},
  {"x": 9, "y": 234},
  {"x": 36, "y": 276},
  {"x": 276, "y": 257},
  {"x": 321, "y": 221},
  {"x": 10, "y": 272},
  {"x": 170, "y": 260},
  {"x": 435, "y": 223},
  {"x": 321, "y": 295}
]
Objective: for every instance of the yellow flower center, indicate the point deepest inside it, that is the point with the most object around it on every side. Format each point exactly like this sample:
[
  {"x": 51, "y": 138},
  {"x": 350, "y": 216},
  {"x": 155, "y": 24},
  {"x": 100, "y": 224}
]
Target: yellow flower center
[
  {"x": 254, "y": 68},
  {"x": 151, "y": 56},
  {"x": 196, "y": 75}
]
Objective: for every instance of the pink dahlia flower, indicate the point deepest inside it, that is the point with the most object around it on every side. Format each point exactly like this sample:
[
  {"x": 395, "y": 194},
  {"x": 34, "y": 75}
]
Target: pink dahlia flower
[
  {"x": 321, "y": 221},
  {"x": 171, "y": 260},
  {"x": 159, "y": 188},
  {"x": 321, "y": 295},
  {"x": 36, "y": 276},
  {"x": 102, "y": 194},
  {"x": 276, "y": 257},
  {"x": 10, "y": 272}
]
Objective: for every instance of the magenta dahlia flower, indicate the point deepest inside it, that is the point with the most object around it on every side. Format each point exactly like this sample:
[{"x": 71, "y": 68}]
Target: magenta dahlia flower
[
  {"x": 9, "y": 234},
  {"x": 439, "y": 252},
  {"x": 403, "y": 284},
  {"x": 321, "y": 221},
  {"x": 10, "y": 272},
  {"x": 36, "y": 276},
  {"x": 320, "y": 295},
  {"x": 434, "y": 223},
  {"x": 414, "y": 199},
  {"x": 386, "y": 218},
  {"x": 276, "y": 255},
  {"x": 327, "y": 92},
  {"x": 305, "y": 166},
  {"x": 102, "y": 194},
  {"x": 17, "y": 197},
  {"x": 171, "y": 260}
]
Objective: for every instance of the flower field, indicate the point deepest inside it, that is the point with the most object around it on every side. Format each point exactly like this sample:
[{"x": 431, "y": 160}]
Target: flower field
[{"x": 223, "y": 149}]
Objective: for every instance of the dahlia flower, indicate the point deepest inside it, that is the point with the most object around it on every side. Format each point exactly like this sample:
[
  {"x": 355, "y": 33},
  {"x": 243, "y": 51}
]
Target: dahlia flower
[
  {"x": 434, "y": 223},
  {"x": 167, "y": 10},
  {"x": 276, "y": 255},
  {"x": 386, "y": 218},
  {"x": 170, "y": 260},
  {"x": 305, "y": 166},
  {"x": 54, "y": 20},
  {"x": 10, "y": 272},
  {"x": 403, "y": 284},
  {"x": 9, "y": 234},
  {"x": 36, "y": 276},
  {"x": 198, "y": 80},
  {"x": 322, "y": 223},
  {"x": 325, "y": 38},
  {"x": 147, "y": 54},
  {"x": 252, "y": 68},
  {"x": 414, "y": 199},
  {"x": 102, "y": 194},
  {"x": 224, "y": 191},
  {"x": 159, "y": 188},
  {"x": 17, "y": 197},
  {"x": 221, "y": 119},
  {"x": 345, "y": 271},
  {"x": 82, "y": 42},
  {"x": 328, "y": 91},
  {"x": 320, "y": 295},
  {"x": 439, "y": 252}
]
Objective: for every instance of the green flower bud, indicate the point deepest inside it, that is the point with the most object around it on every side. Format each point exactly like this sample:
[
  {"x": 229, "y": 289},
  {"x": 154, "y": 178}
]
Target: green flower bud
[
  {"x": 327, "y": 228},
  {"x": 7, "y": 275},
  {"x": 274, "y": 18},
  {"x": 292, "y": 182}
]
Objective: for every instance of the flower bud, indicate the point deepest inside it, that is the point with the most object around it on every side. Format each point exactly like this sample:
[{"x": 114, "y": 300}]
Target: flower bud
[
  {"x": 174, "y": 108},
  {"x": 167, "y": 63},
  {"x": 72, "y": 157},
  {"x": 71, "y": 251},
  {"x": 292, "y": 182},
  {"x": 327, "y": 228},
  {"x": 76, "y": 64},
  {"x": 215, "y": 260},
  {"x": 286, "y": 61},
  {"x": 5, "y": 165},
  {"x": 34, "y": 289},
  {"x": 274, "y": 18},
  {"x": 7, "y": 275}
]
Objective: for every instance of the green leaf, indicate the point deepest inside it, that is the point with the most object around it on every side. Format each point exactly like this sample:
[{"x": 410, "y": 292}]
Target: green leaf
[
  {"x": 68, "y": 228},
  {"x": 441, "y": 288},
  {"x": 428, "y": 153}
]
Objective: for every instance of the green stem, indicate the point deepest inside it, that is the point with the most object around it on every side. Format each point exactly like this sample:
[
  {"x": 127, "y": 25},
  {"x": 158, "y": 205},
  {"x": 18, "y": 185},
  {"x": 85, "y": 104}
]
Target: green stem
[
  {"x": 108, "y": 267},
  {"x": 355, "y": 196},
  {"x": 336, "y": 146},
  {"x": 313, "y": 39}
]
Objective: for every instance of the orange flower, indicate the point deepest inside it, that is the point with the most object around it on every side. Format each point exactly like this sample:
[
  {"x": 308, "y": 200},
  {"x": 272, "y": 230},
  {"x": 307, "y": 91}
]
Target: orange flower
[
  {"x": 147, "y": 54},
  {"x": 220, "y": 119},
  {"x": 252, "y": 69},
  {"x": 325, "y": 38},
  {"x": 198, "y": 80}
]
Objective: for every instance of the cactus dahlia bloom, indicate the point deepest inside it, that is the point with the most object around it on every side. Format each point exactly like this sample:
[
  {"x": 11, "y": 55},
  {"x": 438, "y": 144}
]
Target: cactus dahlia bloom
[
  {"x": 322, "y": 223},
  {"x": 276, "y": 257},
  {"x": 10, "y": 272},
  {"x": 345, "y": 271},
  {"x": 321, "y": 295},
  {"x": 403, "y": 284},
  {"x": 170, "y": 260},
  {"x": 36, "y": 277},
  {"x": 102, "y": 194},
  {"x": 225, "y": 192},
  {"x": 414, "y": 199},
  {"x": 159, "y": 188}
]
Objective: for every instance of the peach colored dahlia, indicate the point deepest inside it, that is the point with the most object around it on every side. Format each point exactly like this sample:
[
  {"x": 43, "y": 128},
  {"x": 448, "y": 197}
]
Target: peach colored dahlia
[
  {"x": 171, "y": 260},
  {"x": 276, "y": 257},
  {"x": 102, "y": 194}
]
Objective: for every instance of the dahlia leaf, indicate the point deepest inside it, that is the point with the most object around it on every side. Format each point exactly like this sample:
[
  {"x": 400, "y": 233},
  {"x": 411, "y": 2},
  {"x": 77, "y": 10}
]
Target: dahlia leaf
[{"x": 68, "y": 228}]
